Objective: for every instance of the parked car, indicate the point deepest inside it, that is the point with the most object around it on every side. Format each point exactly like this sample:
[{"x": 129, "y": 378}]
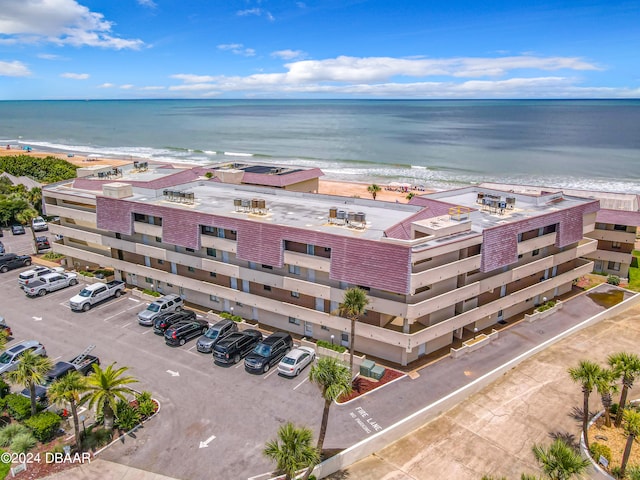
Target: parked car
[
  {"x": 268, "y": 352},
  {"x": 165, "y": 320},
  {"x": 39, "y": 224},
  {"x": 168, "y": 303},
  {"x": 17, "y": 229},
  {"x": 82, "y": 363},
  {"x": 10, "y": 358},
  {"x": 295, "y": 361},
  {"x": 42, "y": 243},
  {"x": 50, "y": 282},
  {"x": 10, "y": 261},
  {"x": 1, "y": 247},
  {"x": 97, "y": 292},
  {"x": 180, "y": 332},
  {"x": 214, "y": 334},
  {"x": 235, "y": 346},
  {"x": 25, "y": 278}
]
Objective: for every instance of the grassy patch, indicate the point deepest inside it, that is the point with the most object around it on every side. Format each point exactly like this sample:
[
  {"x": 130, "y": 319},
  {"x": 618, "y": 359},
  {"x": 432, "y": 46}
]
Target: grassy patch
[{"x": 634, "y": 272}]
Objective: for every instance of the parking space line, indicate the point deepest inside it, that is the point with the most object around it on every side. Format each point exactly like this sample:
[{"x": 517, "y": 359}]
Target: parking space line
[
  {"x": 274, "y": 370},
  {"x": 65, "y": 304},
  {"x": 305, "y": 379},
  {"x": 111, "y": 302},
  {"x": 134, "y": 299},
  {"x": 148, "y": 331},
  {"x": 126, "y": 325},
  {"x": 240, "y": 364},
  {"x": 119, "y": 313},
  {"x": 54, "y": 359}
]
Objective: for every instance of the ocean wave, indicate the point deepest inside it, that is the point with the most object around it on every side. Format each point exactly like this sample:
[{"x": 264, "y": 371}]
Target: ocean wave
[{"x": 238, "y": 154}]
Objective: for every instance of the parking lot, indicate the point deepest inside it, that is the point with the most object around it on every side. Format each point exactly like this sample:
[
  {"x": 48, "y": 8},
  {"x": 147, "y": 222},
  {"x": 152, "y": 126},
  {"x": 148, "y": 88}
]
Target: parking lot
[
  {"x": 231, "y": 411},
  {"x": 22, "y": 244}
]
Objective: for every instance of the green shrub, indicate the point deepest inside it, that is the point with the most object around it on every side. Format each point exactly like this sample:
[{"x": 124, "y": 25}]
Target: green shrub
[
  {"x": 44, "y": 425},
  {"x": 57, "y": 448},
  {"x": 95, "y": 438},
  {"x": 546, "y": 306},
  {"x": 208, "y": 174},
  {"x": 613, "y": 280},
  {"x": 146, "y": 406},
  {"x": 615, "y": 471},
  {"x": 103, "y": 271},
  {"x": 151, "y": 292},
  {"x": 19, "y": 407},
  {"x": 228, "y": 316},
  {"x": 598, "y": 449},
  {"x": 127, "y": 417},
  {"x": 86, "y": 274},
  {"x": 143, "y": 396},
  {"x": 23, "y": 442},
  {"x": 52, "y": 256},
  {"x": 8, "y": 433},
  {"x": 330, "y": 346},
  {"x": 4, "y": 389},
  {"x": 614, "y": 409}
]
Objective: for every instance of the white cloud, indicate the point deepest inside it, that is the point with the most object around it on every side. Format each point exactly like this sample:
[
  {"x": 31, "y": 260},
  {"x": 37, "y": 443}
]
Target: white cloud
[
  {"x": 148, "y": 3},
  {"x": 238, "y": 49},
  {"x": 151, "y": 87},
  {"x": 75, "y": 76},
  {"x": 289, "y": 54},
  {"x": 61, "y": 22},
  {"x": 49, "y": 56},
  {"x": 257, "y": 12},
  {"x": 13, "y": 69},
  {"x": 513, "y": 77},
  {"x": 126, "y": 87},
  {"x": 106, "y": 85}
]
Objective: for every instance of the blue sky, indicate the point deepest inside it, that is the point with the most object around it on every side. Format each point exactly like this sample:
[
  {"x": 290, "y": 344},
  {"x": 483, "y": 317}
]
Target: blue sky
[{"x": 89, "y": 49}]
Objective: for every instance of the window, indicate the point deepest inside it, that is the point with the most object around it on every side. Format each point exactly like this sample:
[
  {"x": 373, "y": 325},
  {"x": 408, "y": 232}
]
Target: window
[
  {"x": 344, "y": 337},
  {"x": 550, "y": 229},
  {"x": 205, "y": 230},
  {"x": 268, "y": 267},
  {"x": 616, "y": 245},
  {"x": 615, "y": 266},
  {"x": 294, "y": 269},
  {"x": 169, "y": 285},
  {"x": 191, "y": 269},
  {"x": 535, "y": 252},
  {"x": 213, "y": 274},
  {"x": 295, "y": 321},
  {"x": 295, "y": 294},
  {"x": 324, "y": 327},
  {"x": 159, "y": 239},
  {"x": 160, "y": 262},
  {"x": 139, "y": 217},
  {"x": 620, "y": 228},
  {"x": 238, "y": 304},
  {"x": 190, "y": 250},
  {"x": 601, "y": 226},
  {"x": 214, "y": 298},
  {"x": 520, "y": 256},
  {"x": 327, "y": 249},
  {"x": 310, "y": 249},
  {"x": 267, "y": 287},
  {"x": 148, "y": 279},
  {"x": 212, "y": 252}
]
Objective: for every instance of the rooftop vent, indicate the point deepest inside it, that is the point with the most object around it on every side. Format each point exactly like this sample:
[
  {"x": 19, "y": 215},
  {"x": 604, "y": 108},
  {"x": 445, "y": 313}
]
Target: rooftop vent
[{"x": 179, "y": 197}]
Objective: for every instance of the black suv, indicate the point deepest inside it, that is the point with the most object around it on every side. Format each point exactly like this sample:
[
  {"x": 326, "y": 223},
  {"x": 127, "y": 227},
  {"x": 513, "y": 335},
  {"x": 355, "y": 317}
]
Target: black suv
[
  {"x": 42, "y": 243},
  {"x": 10, "y": 261},
  {"x": 268, "y": 352},
  {"x": 165, "y": 320},
  {"x": 235, "y": 346},
  {"x": 180, "y": 332},
  {"x": 215, "y": 333}
]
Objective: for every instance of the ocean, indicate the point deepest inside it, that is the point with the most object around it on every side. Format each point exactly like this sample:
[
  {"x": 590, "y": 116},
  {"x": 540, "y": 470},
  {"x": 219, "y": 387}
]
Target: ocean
[{"x": 587, "y": 144}]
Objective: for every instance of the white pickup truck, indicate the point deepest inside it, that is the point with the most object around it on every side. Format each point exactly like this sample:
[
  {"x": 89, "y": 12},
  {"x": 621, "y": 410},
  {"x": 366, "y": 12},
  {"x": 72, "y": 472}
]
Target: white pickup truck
[
  {"x": 50, "y": 283},
  {"x": 92, "y": 294}
]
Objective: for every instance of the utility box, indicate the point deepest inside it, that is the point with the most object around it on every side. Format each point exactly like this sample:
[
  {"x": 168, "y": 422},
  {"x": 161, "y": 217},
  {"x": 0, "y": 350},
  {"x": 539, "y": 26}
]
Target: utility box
[
  {"x": 366, "y": 366},
  {"x": 377, "y": 372}
]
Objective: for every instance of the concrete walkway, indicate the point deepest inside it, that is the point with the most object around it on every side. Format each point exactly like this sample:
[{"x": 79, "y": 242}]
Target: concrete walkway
[
  {"x": 493, "y": 431},
  {"x": 104, "y": 470}
]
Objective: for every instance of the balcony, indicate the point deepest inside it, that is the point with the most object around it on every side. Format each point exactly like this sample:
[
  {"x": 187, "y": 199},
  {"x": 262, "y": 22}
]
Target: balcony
[
  {"x": 442, "y": 272},
  {"x": 307, "y": 261},
  {"x": 537, "y": 243},
  {"x": 613, "y": 236},
  {"x": 147, "y": 229},
  {"x": 77, "y": 214}
]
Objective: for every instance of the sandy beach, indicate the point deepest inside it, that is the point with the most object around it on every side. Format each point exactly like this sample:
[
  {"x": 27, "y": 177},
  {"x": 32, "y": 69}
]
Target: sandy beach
[{"x": 388, "y": 193}]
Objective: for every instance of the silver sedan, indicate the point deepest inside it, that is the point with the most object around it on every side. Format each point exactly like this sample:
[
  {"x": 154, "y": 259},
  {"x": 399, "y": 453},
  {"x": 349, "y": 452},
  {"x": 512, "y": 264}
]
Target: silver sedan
[{"x": 294, "y": 362}]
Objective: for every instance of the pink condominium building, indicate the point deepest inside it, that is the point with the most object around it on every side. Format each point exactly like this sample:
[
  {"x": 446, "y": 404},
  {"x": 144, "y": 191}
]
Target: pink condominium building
[{"x": 255, "y": 240}]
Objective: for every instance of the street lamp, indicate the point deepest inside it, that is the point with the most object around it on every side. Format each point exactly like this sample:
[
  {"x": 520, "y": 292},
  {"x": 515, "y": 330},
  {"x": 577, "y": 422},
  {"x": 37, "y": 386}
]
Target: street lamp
[
  {"x": 475, "y": 332},
  {"x": 231, "y": 309},
  {"x": 544, "y": 300},
  {"x": 332, "y": 337}
]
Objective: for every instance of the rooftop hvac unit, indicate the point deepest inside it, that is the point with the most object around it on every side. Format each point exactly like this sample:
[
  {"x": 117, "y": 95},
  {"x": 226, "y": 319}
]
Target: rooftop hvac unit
[
  {"x": 237, "y": 203},
  {"x": 333, "y": 212},
  {"x": 351, "y": 217},
  {"x": 511, "y": 202},
  {"x": 341, "y": 215},
  {"x": 246, "y": 204},
  {"x": 262, "y": 204},
  {"x": 254, "y": 204},
  {"x": 480, "y": 197},
  {"x": 360, "y": 217}
]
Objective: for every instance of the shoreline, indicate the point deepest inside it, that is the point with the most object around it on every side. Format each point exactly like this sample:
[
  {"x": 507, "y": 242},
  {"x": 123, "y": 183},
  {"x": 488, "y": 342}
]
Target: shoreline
[{"x": 392, "y": 192}]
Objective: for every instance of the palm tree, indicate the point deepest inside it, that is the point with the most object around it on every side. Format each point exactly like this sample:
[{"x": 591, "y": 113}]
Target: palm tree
[
  {"x": 410, "y": 195},
  {"x": 333, "y": 378},
  {"x": 106, "y": 387},
  {"x": 25, "y": 217},
  {"x": 68, "y": 389},
  {"x": 605, "y": 386},
  {"x": 632, "y": 427},
  {"x": 353, "y": 306},
  {"x": 586, "y": 374},
  {"x": 560, "y": 461},
  {"x": 373, "y": 190},
  {"x": 293, "y": 450},
  {"x": 31, "y": 371},
  {"x": 627, "y": 366},
  {"x": 34, "y": 197}
]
